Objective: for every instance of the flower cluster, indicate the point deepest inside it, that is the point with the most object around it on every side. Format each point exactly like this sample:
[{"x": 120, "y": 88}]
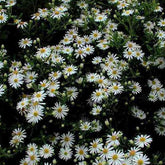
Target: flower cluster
[{"x": 82, "y": 81}]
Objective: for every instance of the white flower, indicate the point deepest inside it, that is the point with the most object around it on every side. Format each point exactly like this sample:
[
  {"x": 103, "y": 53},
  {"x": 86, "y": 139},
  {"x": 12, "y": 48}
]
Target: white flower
[
  {"x": 129, "y": 54},
  {"x": 127, "y": 12},
  {"x": 23, "y": 43},
  {"x": 104, "y": 152},
  {"x": 96, "y": 110},
  {"x": 65, "y": 153},
  {"x": 116, "y": 158},
  {"x": 34, "y": 115},
  {"x": 67, "y": 140},
  {"x": 85, "y": 126},
  {"x": 134, "y": 151},
  {"x": 46, "y": 151},
  {"x": 16, "y": 80},
  {"x": 143, "y": 140},
  {"x": 60, "y": 111},
  {"x": 161, "y": 23},
  {"x": 15, "y": 141},
  {"x": 95, "y": 146},
  {"x": 19, "y": 132},
  {"x": 43, "y": 52},
  {"x": 69, "y": 70},
  {"x": 100, "y": 18},
  {"x": 3, "y": 18},
  {"x": 10, "y": 3},
  {"x": 32, "y": 148},
  {"x": 95, "y": 35},
  {"x": 39, "y": 96},
  {"x": 32, "y": 158},
  {"x": 91, "y": 77},
  {"x": 141, "y": 160},
  {"x": 113, "y": 139},
  {"x": 116, "y": 88},
  {"x": 80, "y": 52},
  {"x": 136, "y": 88},
  {"x": 81, "y": 152},
  {"x": 97, "y": 95},
  {"x": 71, "y": 93}
]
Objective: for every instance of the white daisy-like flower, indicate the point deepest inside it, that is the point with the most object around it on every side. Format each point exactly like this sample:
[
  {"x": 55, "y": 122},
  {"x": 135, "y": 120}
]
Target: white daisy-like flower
[
  {"x": 129, "y": 54},
  {"x": 32, "y": 158},
  {"x": 81, "y": 152},
  {"x": 104, "y": 152},
  {"x": 85, "y": 126},
  {"x": 38, "y": 96},
  {"x": 80, "y": 52},
  {"x": 116, "y": 88},
  {"x": 65, "y": 153},
  {"x": 160, "y": 130},
  {"x": 136, "y": 88},
  {"x": 46, "y": 151},
  {"x": 43, "y": 52},
  {"x": 142, "y": 140},
  {"x": 23, "y": 43},
  {"x": 116, "y": 158},
  {"x": 32, "y": 148},
  {"x": 127, "y": 12},
  {"x": 141, "y": 160},
  {"x": 114, "y": 73},
  {"x": 60, "y": 111},
  {"x": 3, "y": 18},
  {"x": 161, "y": 94},
  {"x": 70, "y": 70},
  {"x": 15, "y": 141},
  {"x": 31, "y": 77},
  {"x": 55, "y": 75},
  {"x": 95, "y": 35},
  {"x": 67, "y": 140},
  {"x": 113, "y": 139},
  {"x": 67, "y": 50},
  {"x": 161, "y": 113},
  {"x": 36, "y": 16},
  {"x": 10, "y": 3},
  {"x": 15, "y": 80},
  {"x": 97, "y": 95},
  {"x": 100, "y": 18},
  {"x": 95, "y": 146},
  {"x": 91, "y": 77},
  {"x": 34, "y": 115},
  {"x": 72, "y": 93},
  {"x": 19, "y": 132},
  {"x": 96, "y": 110},
  {"x": 161, "y": 23},
  {"x": 134, "y": 151}
]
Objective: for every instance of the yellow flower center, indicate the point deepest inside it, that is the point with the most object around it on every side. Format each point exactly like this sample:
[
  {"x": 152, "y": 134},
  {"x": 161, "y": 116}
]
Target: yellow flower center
[
  {"x": 132, "y": 153},
  {"x": 35, "y": 113},
  {"x": 115, "y": 157},
  {"x": 140, "y": 162},
  {"x": 142, "y": 139},
  {"x": 59, "y": 110},
  {"x": 81, "y": 152},
  {"x": 46, "y": 150},
  {"x": 94, "y": 145},
  {"x": 105, "y": 150},
  {"x": 1, "y": 17},
  {"x": 115, "y": 87},
  {"x": 113, "y": 137}
]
